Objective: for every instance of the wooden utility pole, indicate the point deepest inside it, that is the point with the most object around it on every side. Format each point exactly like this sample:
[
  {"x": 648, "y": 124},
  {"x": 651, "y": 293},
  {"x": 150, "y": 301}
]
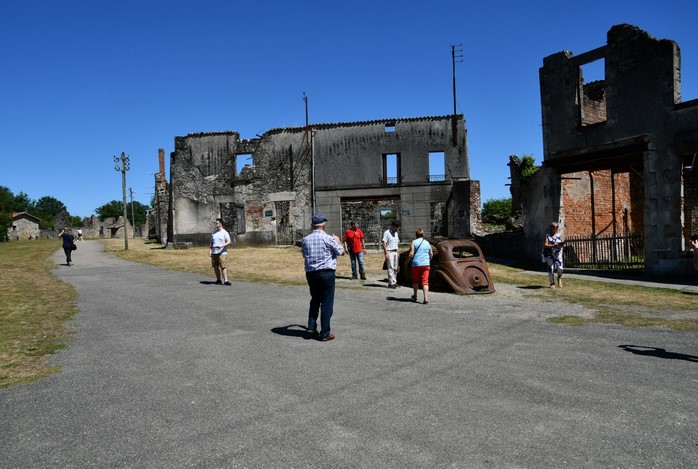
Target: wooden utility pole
[{"x": 122, "y": 164}]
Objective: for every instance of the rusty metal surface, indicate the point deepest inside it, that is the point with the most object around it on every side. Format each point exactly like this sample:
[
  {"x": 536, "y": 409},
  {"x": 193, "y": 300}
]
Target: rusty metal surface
[{"x": 457, "y": 266}]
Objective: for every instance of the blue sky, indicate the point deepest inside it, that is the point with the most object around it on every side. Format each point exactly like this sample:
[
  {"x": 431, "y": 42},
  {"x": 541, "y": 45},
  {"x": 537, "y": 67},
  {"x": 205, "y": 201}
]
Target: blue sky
[{"x": 84, "y": 80}]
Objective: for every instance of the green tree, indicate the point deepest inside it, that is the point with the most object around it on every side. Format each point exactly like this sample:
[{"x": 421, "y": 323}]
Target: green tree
[
  {"x": 528, "y": 168},
  {"x": 7, "y": 200},
  {"x": 75, "y": 220},
  {"x": 496, "y": 210},
  {"x": 115, "y": 209},
  {"x": 22, "y": 203},
  {"x": 46, "y": 208}
]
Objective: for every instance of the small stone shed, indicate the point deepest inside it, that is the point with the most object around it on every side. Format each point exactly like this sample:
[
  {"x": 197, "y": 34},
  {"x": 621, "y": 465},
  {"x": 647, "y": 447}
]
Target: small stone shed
[{"x": 24, "y": 226}]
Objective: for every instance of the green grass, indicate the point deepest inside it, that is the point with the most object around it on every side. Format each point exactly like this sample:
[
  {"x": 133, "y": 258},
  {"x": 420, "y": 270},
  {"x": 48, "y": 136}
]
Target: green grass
[
  {"x": 34, "y": 308},
  {"x": 627, "y": 305}
]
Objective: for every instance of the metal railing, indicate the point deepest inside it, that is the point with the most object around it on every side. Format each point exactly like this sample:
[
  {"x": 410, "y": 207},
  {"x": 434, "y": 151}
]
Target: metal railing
[{"x": 605, "y": 252}]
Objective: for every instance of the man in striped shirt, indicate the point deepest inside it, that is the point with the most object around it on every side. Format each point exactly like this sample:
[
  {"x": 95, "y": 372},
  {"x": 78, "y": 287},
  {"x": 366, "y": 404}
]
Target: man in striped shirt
[{"x": 320, "y": 251}]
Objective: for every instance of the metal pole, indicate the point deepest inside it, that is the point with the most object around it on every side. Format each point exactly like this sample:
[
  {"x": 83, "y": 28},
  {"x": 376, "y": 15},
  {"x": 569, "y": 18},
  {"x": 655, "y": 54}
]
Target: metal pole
[
  {"x": 307, "y": 136},
  {"x": 454, "y": 122},
  {"x": 133, "y": 215}
]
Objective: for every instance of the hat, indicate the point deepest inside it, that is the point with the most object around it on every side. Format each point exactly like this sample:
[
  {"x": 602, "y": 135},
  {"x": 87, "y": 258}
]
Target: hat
[{"x": 319, "y": 220}]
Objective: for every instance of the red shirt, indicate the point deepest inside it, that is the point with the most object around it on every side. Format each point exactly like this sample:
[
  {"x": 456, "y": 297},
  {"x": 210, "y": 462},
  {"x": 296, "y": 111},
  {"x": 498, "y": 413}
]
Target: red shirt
[{"x": 354, "y": 240}]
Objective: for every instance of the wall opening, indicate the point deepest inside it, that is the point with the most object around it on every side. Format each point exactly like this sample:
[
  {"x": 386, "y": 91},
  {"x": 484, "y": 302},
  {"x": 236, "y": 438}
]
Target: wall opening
[
  {"x": 437, "y": 166},
  {"x": 241, "y": 161},
  {"x": 389, "y": 128},
  {"x": 592, "y": 93},
  {"x": 391, "y": 169}
]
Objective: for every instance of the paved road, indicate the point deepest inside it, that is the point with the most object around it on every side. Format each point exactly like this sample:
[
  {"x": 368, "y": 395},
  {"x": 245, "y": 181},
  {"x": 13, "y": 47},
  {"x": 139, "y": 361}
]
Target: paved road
[{"x": 167, "y": 371}]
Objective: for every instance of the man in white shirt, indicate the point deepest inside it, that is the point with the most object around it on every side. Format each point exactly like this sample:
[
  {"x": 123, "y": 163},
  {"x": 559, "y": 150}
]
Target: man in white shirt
[
  {"x": 391, "y": 242},
  {"x": 220, "y": 240}
]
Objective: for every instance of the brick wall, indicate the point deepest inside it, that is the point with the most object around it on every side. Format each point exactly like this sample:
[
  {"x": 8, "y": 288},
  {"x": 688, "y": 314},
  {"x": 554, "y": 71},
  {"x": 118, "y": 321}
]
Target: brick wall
[{"x": 577, "y": 203}]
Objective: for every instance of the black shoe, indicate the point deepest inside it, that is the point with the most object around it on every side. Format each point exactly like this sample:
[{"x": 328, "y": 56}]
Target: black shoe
[
  {"x": 218, "y": 282},
  {"x": 392, "y": 286},
  {"x": 329, "y": 336},
  {"x": 354, "y": 277},
  {"x": 314, "y": 333},
  {"x": 227, "y": 283}
]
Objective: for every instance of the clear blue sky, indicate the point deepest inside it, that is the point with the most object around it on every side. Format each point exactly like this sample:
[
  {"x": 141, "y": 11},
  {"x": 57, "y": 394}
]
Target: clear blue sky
[{"x": 83, "y": 80}]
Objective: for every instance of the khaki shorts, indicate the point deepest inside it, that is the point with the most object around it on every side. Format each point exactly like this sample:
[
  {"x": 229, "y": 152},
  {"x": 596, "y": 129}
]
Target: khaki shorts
[{"x": 219, "y": 260}]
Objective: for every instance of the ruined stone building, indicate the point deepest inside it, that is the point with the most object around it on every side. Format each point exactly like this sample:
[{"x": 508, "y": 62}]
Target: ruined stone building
[
  {"x": 24, "y": 226},
  {"x": 619, "y": 154},
  {"x": 414, "y": 170}
]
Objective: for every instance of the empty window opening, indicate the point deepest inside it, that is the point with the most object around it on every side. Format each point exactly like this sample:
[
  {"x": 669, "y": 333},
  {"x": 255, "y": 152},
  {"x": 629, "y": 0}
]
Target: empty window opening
[
  {"x": 437, "y": 166},
  {"x": 391, "y": 168},
  {"x": 390, "y": 127},
  {"x": 592, "y": 93},
  {"x": 242, "y": 161},
  {"x": 387, "y": 217}
]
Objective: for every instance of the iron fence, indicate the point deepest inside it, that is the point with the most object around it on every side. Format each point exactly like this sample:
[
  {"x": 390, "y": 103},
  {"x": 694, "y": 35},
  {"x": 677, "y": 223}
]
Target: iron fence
[{"x": 605, "y": 252}]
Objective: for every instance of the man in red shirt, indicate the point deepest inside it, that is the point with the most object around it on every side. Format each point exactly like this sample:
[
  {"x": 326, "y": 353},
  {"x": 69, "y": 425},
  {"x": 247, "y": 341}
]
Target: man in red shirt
[{"x": 354, "y": 244}]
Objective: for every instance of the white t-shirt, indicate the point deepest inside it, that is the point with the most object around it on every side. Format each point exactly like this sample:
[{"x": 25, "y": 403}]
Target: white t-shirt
[
  {"x": 392, "y": 241},
  {"x": 218, "y": 239}
]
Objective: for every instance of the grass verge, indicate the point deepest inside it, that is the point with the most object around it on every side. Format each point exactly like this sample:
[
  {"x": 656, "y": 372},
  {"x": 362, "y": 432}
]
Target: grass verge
[
  {"x": 280, "y": 265},
  {"x": 34, "y": 308},
  {"x": 627, "y": 305}
]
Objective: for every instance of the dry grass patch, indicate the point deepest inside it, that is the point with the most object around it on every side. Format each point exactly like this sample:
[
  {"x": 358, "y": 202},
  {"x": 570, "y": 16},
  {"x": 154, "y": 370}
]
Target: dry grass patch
[
  {"x": 34, "y": 308},
  {"x": 627, "y": 305},
  {"x": 280, "y": 265}
]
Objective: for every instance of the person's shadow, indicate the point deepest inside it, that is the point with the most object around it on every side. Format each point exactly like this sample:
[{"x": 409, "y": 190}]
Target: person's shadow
[
  {"x": 294, "y": 330},
  {"x": 658, "y": 352}
]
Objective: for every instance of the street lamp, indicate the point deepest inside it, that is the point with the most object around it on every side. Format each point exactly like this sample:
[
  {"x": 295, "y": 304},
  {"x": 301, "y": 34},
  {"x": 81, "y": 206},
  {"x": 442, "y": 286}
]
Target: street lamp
[{"x": 122, "y": 164}]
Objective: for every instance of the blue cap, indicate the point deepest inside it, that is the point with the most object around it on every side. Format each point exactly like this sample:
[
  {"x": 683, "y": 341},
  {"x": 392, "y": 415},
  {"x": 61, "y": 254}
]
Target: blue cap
[{"x": 319, "y": 219}]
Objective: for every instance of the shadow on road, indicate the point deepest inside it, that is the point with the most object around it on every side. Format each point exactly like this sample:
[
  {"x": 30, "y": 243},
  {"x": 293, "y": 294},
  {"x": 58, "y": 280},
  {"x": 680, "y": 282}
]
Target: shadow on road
[
  {"x": 658, "y": 352},
  {"x": 293, "y": 330}
]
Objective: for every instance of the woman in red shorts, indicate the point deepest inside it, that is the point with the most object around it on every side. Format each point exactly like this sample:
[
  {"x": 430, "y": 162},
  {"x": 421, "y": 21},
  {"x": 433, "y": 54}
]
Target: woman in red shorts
[{"x": 420, "y": 255}]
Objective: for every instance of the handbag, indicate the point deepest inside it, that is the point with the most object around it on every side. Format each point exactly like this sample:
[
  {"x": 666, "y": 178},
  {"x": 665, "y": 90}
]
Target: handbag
[{"x": 74, "y": 247}]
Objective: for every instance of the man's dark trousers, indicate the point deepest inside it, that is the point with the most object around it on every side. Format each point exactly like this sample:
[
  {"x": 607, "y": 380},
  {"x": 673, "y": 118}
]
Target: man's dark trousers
[{"x": 321, "y": 283}]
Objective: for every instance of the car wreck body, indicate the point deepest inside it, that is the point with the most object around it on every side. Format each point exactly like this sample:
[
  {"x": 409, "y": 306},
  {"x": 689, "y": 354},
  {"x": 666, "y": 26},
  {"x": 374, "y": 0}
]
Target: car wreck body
[{"x": 457, "y": 265}]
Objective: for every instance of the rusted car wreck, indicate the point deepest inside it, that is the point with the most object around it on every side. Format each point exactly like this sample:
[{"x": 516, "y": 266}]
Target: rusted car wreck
[{"x": 457, "y": 266}]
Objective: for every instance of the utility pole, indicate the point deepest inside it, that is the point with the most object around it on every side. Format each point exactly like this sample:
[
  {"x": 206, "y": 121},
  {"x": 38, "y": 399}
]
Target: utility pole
[
  {"x": 307, "y": 130},
  {"x": 454, "y": 59},
  {"x": 133, "y": 215},
  {"x": 122, "y": 164}
]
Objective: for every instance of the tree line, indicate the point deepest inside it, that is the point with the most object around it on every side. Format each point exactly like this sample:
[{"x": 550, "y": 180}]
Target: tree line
[{"x": 47, "y": 208}]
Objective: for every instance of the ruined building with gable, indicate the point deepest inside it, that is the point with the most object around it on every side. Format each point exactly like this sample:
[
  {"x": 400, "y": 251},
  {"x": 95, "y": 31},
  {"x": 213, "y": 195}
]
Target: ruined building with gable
[
  {"x": 415, "y": 170},
  {"x": 620, "y": 166}
]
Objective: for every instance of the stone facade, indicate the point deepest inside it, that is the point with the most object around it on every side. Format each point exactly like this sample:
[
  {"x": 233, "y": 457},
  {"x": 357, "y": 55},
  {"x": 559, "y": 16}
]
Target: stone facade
[
  {"x": 630, "y": 136},
  {"x": 370, "y": 172},
  {"x": 24, "y": 226}
]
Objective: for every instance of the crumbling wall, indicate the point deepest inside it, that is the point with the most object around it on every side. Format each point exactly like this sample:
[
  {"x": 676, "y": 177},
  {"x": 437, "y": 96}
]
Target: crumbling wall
[
  {"x": 296, "y": 171},
  {"x": 646, "y": 129},
  {"x": 202, "y": 166}
]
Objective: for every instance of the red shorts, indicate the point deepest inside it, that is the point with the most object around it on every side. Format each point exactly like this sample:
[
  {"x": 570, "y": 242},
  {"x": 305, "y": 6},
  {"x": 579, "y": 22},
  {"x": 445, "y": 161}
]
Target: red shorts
[{"x": 420, "y": 275}]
